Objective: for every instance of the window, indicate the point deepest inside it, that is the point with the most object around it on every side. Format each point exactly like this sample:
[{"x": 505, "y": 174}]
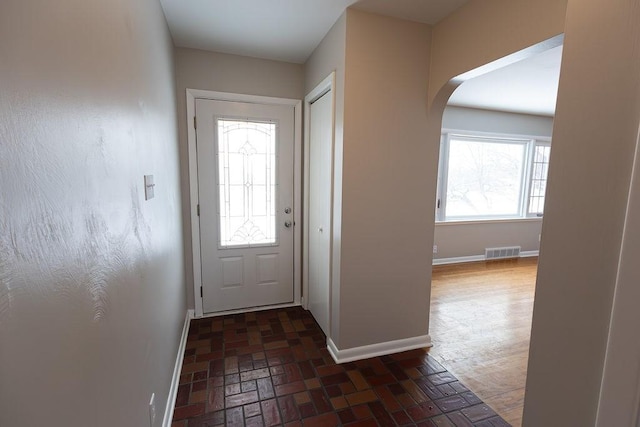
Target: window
[
  {"x": 539, "y": 179},
  {"x": 491, "y": 177},
  {"x": 246, "y": 183}
]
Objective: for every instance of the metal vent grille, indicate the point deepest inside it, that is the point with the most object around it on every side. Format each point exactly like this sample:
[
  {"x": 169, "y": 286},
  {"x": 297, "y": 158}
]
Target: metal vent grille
[{"x": 502, "y": 253}]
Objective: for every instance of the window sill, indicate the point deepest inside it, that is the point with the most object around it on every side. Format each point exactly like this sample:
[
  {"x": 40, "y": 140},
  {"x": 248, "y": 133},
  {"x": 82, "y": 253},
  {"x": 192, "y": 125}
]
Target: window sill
[{"x": 487, "y": 221}]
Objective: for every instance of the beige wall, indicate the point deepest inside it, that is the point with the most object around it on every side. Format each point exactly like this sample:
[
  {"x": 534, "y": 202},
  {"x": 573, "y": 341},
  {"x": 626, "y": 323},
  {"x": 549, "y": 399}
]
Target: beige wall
[
  {"x": 384, "y": 289},
  {"x": 473, "y": 119},
  {"x": 478, "y": 33},
  {"x": 595, "y": 136},
  {"x": 92, "y": 297},
  {"x": 469, "y": 239},
  {"x": 486, "y": 30},
  {"x": 198, "y": 69},
  {"x": 327, "y": 57},
  {"x": 619, "y": 400}
]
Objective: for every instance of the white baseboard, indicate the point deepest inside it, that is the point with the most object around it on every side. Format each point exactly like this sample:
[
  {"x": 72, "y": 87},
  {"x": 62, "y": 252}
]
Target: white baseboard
[
  {"x": 477, "y": 258},
  {"x": 458, "y": 260},
  {"x": 248, "y": 310},
  {"x": 529, "y": 254},
  {"x": 374, "y": 350},
  {"x": 175, "y": 379}
]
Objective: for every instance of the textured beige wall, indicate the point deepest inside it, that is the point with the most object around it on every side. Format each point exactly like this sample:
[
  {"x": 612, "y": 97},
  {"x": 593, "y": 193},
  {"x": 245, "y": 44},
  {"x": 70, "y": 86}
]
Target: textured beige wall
[
  {"x": 92, "y": 297},
  {"x": 595, "y": 136},
  {"x": 385, "y": 222},
  {"x": 198, "y": 69},
  {"x": 327, "y": 57}
]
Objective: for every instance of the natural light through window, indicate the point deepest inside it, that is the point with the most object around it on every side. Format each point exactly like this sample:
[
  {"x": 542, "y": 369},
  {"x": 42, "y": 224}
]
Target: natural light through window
[
  {"x": 247, "y": 183},
  {"x": 539, "y": 179},
  {"x": 491, "y": 177}
]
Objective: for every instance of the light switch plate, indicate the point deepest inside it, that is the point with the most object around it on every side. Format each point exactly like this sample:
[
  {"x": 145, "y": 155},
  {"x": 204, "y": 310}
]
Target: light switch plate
[{"x": 149, "y": 187}]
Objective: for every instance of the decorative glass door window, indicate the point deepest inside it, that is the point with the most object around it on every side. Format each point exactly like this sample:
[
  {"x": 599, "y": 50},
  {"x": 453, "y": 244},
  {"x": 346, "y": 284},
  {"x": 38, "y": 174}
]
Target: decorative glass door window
[{"x": 247, "y": 183}]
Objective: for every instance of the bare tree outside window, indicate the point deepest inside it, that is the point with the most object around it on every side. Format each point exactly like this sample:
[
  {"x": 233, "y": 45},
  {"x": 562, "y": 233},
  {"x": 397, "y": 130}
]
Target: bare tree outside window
[
  {"x": 484, "y": 178},
  {"x": 491, "y": 177}
]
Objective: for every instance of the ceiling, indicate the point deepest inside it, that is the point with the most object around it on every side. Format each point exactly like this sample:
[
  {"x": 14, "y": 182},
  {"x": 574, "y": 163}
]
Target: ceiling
[
  {"x": 289, "y": 30},
  {"x": 283, "y": 30},
  {"x": 529, "y": 86}
]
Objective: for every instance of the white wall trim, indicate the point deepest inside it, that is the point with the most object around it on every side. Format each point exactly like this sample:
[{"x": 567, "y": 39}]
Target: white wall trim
[
  {"x": 477, "y": 258},
  {"x": 175, "y": 379},
  {"x": 529, "y": 254},
  {"x": 248, "y": 310},
  {"x": 192, "y": 95},
  {"x": 493, "y": 221},
  {"x": 193, "y": 192},
  {"x": 380, "y": 349},
  {"x": 499, "y": 135},
  {"x": 458, "y": 260},
  {"x": 241, "y": 97}
]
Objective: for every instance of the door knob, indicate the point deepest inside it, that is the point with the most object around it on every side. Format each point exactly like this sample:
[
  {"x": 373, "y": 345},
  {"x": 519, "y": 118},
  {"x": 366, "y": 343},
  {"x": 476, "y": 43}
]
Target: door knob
[{"x": 287, "y": 224}]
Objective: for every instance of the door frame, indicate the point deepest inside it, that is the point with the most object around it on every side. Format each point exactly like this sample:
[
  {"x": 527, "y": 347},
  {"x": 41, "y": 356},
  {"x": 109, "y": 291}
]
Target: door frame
[
  {"x": 192, "y": 95},
  {"x": 326, "y": 85}
]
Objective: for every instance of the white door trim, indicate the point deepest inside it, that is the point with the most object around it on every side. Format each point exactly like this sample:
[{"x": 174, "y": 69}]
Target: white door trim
[
  {"x": 327, "y": 85},
  {"x": 192, "y": 95}
]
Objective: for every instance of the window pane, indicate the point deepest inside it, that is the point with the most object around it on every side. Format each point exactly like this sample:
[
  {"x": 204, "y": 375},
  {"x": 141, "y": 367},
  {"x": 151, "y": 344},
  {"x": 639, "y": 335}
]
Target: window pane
[
  {"x": 247, "y": 184},
  {"x": 539, "y": 179},
  {"x": 484, "y": 178}
]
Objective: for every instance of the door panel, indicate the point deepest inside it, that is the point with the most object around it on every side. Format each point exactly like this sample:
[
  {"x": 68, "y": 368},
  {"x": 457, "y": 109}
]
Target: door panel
[
  {"x": 245, "y": 181},
  {"x": 320, "y": 165}
]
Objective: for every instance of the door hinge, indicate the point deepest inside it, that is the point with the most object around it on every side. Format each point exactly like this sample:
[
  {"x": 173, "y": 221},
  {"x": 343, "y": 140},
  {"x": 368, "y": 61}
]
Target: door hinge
[
  {"x": 200, "y": 291},
  {"x": 198, "y": 210},
  {"x": 195, "y": 123}
]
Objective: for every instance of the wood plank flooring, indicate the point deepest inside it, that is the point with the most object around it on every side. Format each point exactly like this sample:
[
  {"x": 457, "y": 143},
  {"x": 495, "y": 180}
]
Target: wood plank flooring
[{"x": 481, "y": 325}]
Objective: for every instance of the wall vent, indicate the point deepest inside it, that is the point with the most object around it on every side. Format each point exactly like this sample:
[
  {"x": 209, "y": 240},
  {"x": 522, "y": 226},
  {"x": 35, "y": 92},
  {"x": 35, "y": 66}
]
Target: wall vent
[{"x": 502, "y": 253}]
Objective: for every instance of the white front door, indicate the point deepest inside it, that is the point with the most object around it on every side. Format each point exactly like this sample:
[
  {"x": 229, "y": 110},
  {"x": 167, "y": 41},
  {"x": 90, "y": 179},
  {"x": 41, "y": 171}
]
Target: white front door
[{"x": 245, "y": 179}]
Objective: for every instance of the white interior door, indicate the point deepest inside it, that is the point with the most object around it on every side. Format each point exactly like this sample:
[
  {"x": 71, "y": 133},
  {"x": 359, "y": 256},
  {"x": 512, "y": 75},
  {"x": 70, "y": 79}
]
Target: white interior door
[
  {"x": 245, "y": 181},
  {"x": 320, "y": 170}
]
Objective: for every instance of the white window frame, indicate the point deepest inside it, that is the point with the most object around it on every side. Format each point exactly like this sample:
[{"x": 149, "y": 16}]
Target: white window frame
[
  {"x": 529, "y": 141},
  {"x": 537, "y": 143}
]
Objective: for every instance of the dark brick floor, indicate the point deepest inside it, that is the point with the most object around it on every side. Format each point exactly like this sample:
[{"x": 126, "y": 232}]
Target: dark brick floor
[{"x": 272, "y": 368}]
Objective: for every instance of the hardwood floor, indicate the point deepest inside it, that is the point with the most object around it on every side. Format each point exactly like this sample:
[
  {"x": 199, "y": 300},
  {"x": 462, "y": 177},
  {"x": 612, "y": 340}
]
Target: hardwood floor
[{"x": 480, "y": 328}]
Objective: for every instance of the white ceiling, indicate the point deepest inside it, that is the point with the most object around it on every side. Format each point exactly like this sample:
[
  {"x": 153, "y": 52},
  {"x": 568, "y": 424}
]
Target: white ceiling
[
  {"x": 283, "y": 30},
  {"x": 529, "y": 86},
  {"x": 289, "y": 30}
]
